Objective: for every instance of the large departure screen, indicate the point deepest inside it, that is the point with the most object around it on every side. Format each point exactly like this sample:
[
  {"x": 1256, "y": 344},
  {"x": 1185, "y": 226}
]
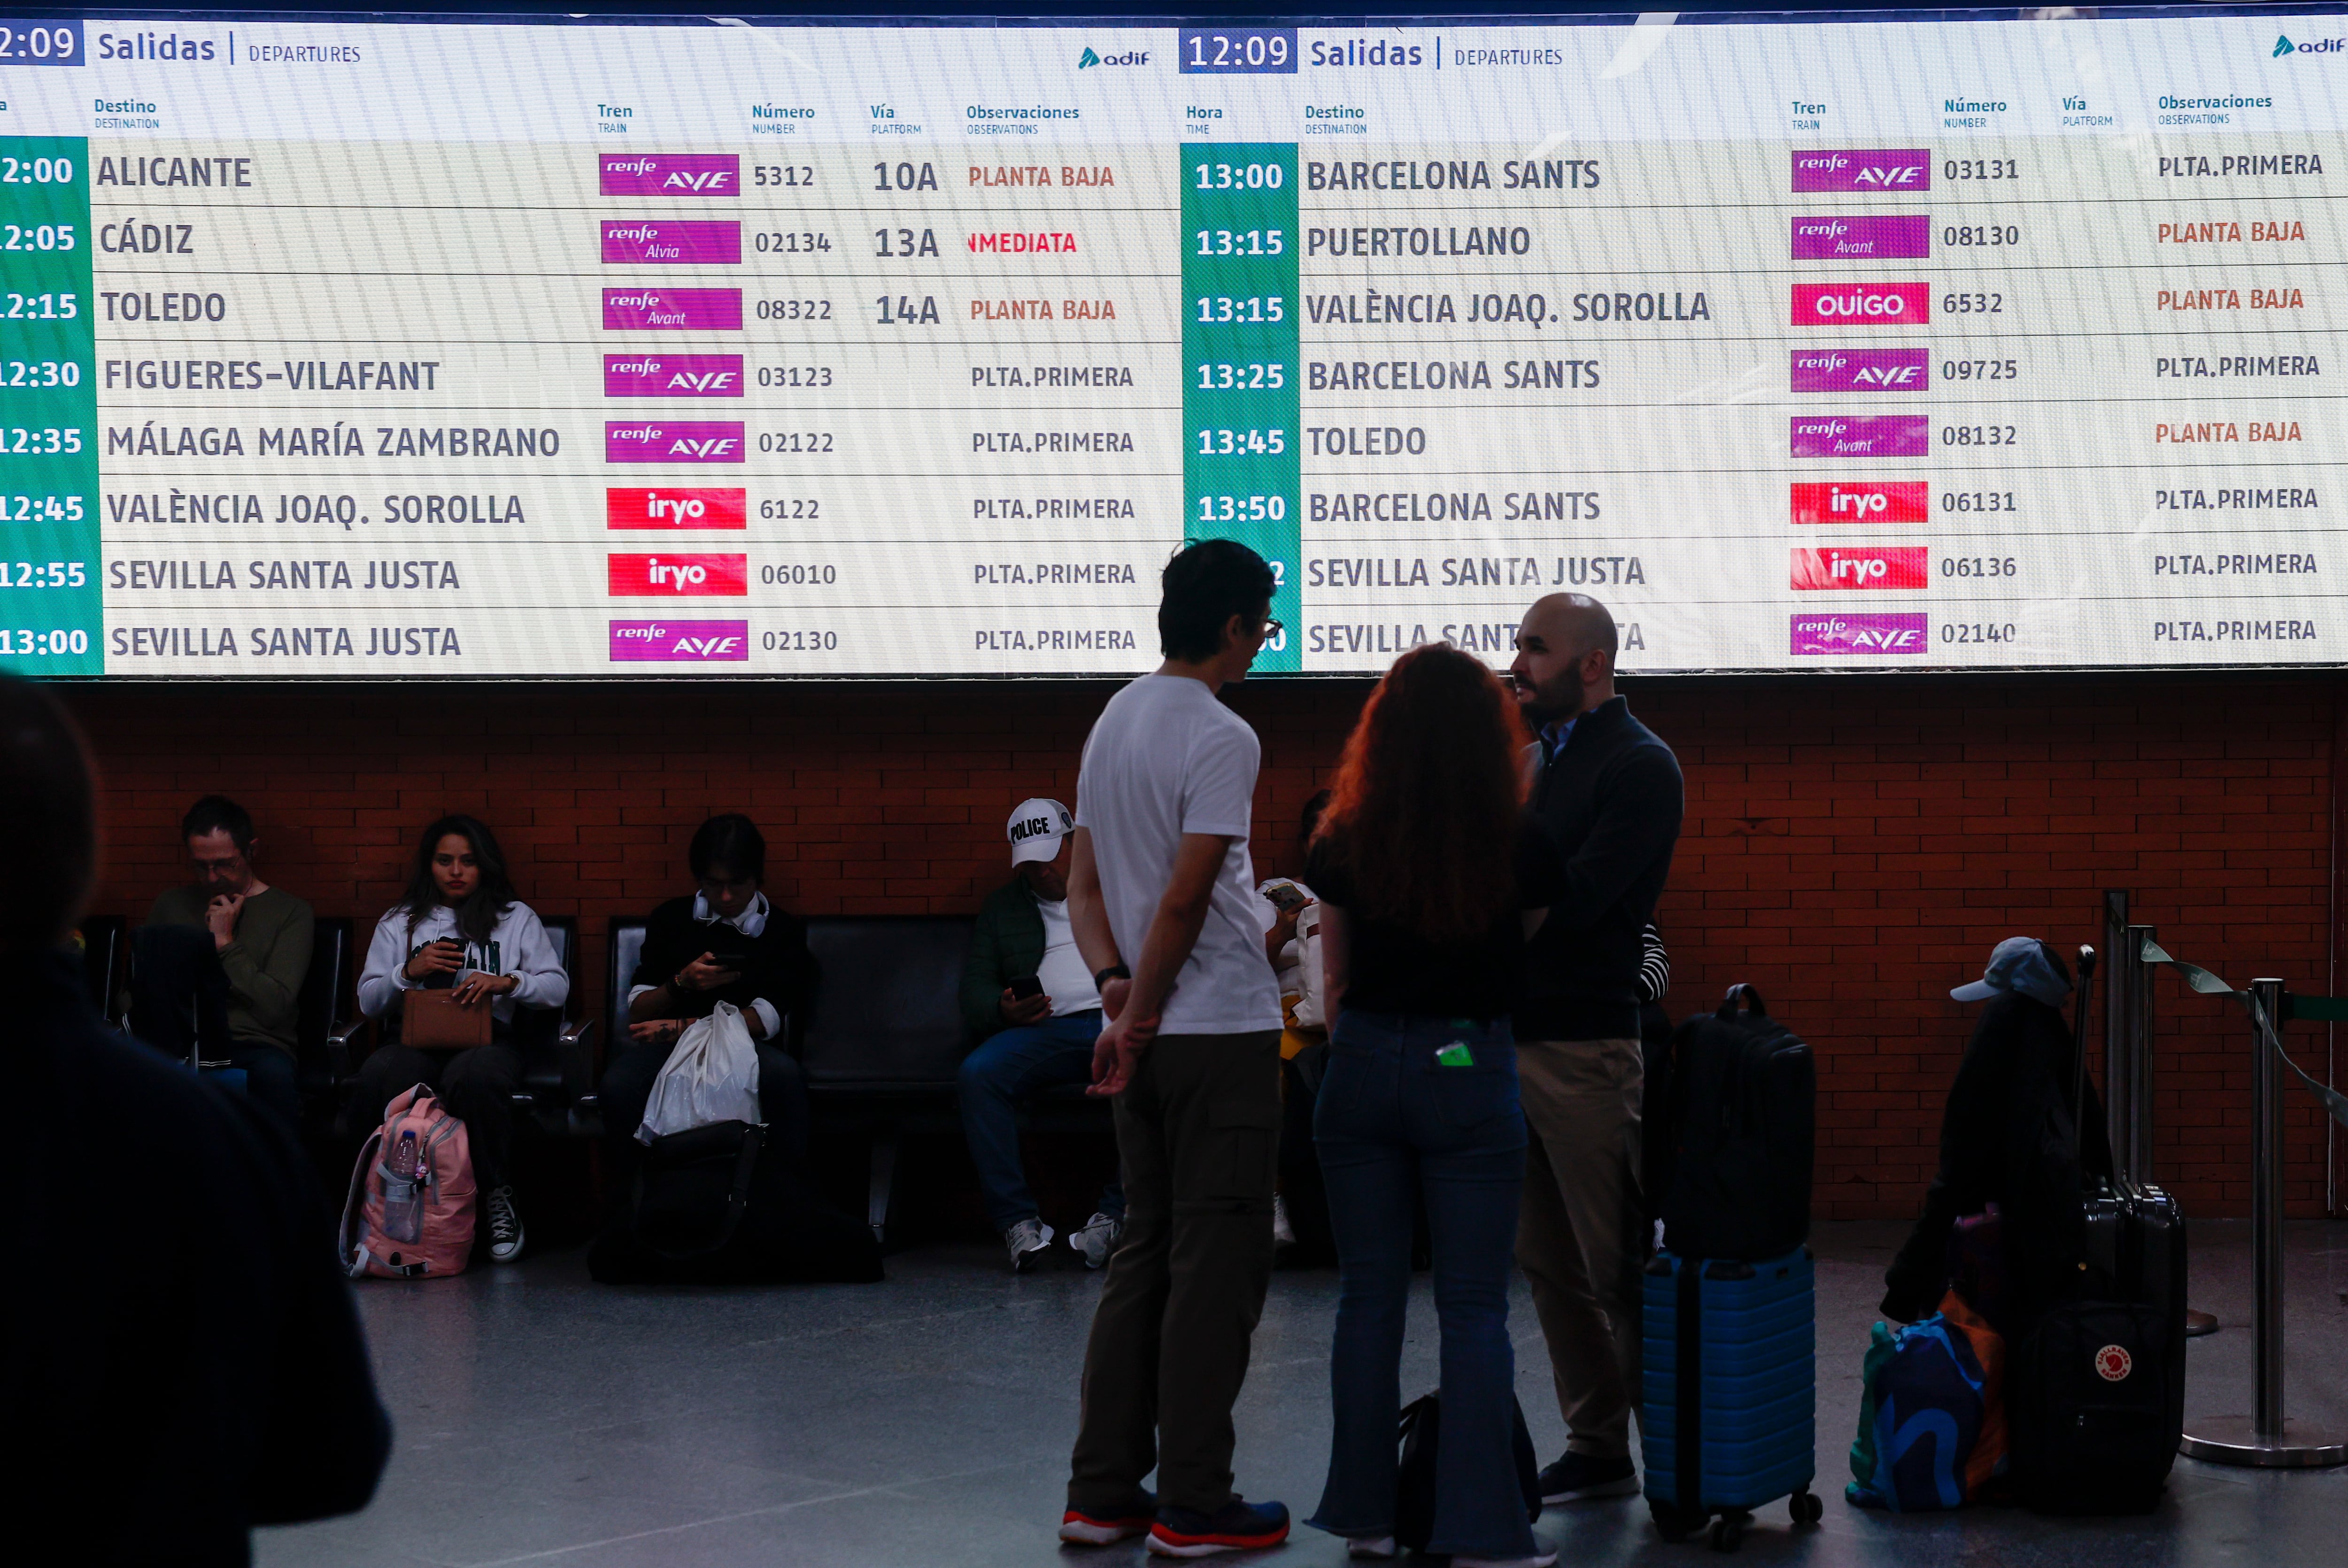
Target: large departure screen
[{"x": 400, "y": 350}]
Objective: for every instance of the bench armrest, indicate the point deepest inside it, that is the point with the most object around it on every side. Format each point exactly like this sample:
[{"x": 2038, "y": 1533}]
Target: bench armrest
[
  {"x": 574, "y": 1048},
  {"x": 342, "y": 1059}
]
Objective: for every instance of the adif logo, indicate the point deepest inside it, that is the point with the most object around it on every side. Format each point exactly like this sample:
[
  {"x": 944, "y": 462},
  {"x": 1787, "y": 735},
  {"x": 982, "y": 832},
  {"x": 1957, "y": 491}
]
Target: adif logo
[
  {"x": 1088, "y": 59},
  {"x": 2321, "y": 46},
  {"x": 1882, "y": 501}
]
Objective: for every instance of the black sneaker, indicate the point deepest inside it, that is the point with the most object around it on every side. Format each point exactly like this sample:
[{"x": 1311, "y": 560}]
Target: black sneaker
[
  {"x": 1237, "y": 1526},
  {"x": 1105, "y": 1527},
  {"x": 506, "y": 1233},
  {"x": 1578, "y": 1478}
]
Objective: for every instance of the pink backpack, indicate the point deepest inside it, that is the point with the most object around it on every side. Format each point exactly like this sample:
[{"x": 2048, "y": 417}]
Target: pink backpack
[{"x": 397, "y": 1228}]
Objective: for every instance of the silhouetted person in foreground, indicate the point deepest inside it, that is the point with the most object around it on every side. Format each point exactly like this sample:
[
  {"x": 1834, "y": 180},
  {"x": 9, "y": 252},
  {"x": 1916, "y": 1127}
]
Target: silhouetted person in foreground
[{"x": 181, "y": 1361}]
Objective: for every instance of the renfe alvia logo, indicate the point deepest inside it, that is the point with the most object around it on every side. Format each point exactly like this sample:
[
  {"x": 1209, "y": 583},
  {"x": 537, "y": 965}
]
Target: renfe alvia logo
[{"x": 1086, "y": 60}]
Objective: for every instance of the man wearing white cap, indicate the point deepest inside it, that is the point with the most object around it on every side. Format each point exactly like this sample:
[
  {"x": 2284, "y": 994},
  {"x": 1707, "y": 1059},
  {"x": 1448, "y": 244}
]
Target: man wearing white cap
[{"x": 1029, "y": 999}]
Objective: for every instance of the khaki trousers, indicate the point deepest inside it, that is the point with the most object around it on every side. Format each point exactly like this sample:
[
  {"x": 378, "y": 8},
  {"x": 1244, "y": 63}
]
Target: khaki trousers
[
  {"x": 1582, "y": 1234},
  {"x": 1197, "y": 1134}
]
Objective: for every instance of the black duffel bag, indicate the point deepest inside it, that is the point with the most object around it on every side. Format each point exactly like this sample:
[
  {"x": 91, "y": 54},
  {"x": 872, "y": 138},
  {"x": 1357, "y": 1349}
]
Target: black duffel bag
[
  {"x": 707, "y": 1208},
  {"x": 1740, "y": 1117}
]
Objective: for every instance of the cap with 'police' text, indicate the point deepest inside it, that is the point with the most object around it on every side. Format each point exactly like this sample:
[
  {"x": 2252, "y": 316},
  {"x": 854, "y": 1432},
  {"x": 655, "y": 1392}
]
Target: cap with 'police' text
[{"x": 1037, "y": 827}]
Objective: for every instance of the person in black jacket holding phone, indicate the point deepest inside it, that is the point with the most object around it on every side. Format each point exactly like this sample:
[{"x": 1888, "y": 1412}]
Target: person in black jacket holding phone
[{"x": 727, "y": 942}]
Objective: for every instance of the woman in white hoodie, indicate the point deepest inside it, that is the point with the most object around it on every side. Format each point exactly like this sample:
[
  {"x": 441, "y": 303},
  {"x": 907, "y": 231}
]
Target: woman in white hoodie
[{"x": 460, "y": 927}]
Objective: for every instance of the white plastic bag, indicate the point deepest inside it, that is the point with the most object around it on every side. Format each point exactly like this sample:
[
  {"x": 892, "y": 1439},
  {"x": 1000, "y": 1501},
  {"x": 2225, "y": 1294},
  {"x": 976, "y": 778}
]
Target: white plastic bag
[
  {"x": 712, "y": 1075},
  {"x": 1308, "y": 1010}
]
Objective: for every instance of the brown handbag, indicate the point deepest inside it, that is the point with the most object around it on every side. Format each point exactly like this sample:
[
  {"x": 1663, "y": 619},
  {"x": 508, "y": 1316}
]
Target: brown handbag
[{"x": 435, "y": 1021}]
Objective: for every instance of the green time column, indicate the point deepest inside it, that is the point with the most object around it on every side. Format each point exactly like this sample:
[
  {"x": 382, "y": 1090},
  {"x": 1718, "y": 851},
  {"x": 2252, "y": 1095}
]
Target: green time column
[
  {"x": 51, "y": 618},
  {"x": 1240, "y": 475}
]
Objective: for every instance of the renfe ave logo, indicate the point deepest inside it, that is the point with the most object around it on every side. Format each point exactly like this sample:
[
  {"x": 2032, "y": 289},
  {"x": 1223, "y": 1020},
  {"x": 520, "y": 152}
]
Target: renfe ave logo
[
  {"x": 654, "y": 506},
  {"x": 1862, "y": 501}
]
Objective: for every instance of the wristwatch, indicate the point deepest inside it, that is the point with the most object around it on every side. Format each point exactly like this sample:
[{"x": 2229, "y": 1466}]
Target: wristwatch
[{"x": 1113, "y": 972}]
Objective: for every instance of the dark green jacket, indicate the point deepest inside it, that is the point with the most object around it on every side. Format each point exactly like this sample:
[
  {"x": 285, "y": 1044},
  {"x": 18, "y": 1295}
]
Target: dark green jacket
[{"x": 1008, "y": 944}]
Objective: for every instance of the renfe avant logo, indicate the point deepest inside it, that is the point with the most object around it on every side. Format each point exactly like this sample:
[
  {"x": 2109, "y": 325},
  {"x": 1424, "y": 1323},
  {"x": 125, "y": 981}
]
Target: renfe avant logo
[
  {"x": 1861, "y": 436},
  {"x": 671, "y": 242},
  {"x": 672, "y": 441},
  {"x": 693, "y": 576},
  {"x": 681, "y": 641},
  {"x": 670, "y": 174},
  {"x": 1849, "y": 168},
  {"x": 1838, "y": 238},
  {"x": 1861, "y": 370},
  {"x": 648, "y": 506},
  {"x": 671, "y": 375},
  {"x": 1892, "y": 633},
  {"x": 671, "y": 310},
  {"x": 1862, "y": 305},
  {"x": 1862, "y": 501},
  {"x": 1862, "y": 566}
]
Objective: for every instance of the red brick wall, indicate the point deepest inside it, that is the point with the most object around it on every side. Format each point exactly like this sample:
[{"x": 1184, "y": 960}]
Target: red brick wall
[{"x": 1852, "y": 848}]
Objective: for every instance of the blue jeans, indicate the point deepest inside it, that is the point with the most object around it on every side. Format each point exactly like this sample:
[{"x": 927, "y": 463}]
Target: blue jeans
[
  {"x": 1392, "y": 1119},
  {"x": 1017, "y": 1062}
]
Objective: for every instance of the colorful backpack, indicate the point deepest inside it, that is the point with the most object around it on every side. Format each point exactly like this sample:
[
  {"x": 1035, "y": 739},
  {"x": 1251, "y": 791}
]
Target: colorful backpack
[
  {"x": 1931, "y": 1423},
  {"x": 398, "y": 1226}
]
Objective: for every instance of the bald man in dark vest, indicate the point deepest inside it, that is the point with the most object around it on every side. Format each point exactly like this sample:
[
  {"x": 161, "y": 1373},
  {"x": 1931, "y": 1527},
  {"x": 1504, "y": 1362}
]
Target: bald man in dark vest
[{"x": 1610, "y": 793}]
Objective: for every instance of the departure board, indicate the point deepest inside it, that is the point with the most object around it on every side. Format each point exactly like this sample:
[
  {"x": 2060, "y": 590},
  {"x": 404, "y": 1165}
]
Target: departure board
[{"x": 403, "y": 349}]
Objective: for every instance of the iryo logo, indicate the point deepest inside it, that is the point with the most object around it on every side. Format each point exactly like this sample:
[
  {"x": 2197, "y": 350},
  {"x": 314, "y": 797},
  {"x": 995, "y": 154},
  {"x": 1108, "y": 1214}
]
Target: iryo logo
[
  {"x": 1862, "y": 566},
  {"x": 724, "y": 576},
  {"x": 671, "y": 375},
  {"x": 651, "y": 507},
  {"x": 1862, "y": 305},
  {"x": 1861, "y": 370},
  {"x": 687, "y": 441},
  {"x": 1863, "y": 500},
  {"x": 681, "y": 641},
  {"x": 1843, "y": 635},
  {"x": 669, "y": 174},
  {"x": 1851, "y": 169}
]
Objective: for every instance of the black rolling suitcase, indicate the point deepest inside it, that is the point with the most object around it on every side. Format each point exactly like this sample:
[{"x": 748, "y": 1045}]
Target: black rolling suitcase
[
  {"x": 2096, "y": 1390},
  {"x": 1740, "y": 1120}
]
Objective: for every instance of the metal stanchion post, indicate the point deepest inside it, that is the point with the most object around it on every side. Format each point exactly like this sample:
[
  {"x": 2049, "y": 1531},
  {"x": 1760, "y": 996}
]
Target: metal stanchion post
[
  {"x": 2123, "y": 959},
  {"x": 2265, "y": 1438}
]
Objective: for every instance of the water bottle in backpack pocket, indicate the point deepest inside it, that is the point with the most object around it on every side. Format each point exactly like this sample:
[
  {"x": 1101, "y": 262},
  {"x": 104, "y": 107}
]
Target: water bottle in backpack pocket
[{"x": 415, "y": 1224}]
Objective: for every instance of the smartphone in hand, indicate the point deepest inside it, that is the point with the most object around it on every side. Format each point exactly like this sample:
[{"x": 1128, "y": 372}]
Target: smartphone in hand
[{"x": 1026, "y": 986}]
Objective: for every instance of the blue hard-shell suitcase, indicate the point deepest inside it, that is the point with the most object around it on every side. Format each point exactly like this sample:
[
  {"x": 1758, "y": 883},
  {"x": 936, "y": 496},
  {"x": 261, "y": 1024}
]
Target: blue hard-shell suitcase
[{"x": 1729, "y": 1398}]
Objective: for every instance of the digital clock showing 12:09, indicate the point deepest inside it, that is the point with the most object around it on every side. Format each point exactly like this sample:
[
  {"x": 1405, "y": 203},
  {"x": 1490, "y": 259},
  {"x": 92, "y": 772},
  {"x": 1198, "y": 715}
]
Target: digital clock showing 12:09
[{"x": 1238, "y": 51}]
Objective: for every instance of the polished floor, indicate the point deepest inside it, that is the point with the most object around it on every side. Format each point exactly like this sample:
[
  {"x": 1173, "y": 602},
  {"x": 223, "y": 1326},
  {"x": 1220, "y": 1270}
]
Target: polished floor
[{"x": 545, "y": 1419}]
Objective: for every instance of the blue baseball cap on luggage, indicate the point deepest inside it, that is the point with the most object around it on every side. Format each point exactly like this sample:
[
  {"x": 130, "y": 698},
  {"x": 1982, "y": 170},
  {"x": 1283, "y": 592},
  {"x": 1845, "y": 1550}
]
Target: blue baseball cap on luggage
[{"x": 2019, "y": 963}]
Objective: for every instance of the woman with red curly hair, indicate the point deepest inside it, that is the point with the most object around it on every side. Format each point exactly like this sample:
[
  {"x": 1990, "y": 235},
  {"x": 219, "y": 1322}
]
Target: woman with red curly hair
[{"x": 1430, "y": 876}]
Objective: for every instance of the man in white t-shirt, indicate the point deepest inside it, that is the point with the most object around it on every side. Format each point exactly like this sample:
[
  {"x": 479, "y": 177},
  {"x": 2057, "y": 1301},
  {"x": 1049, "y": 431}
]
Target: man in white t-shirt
[
  {"x": 1027, "y": 996},
  {"x": 1163, "y": 891}
]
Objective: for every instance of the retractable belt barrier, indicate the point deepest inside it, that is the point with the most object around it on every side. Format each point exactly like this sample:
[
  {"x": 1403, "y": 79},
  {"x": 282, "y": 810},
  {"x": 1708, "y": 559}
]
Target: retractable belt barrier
[
  {"x": 2318, "y": 1009},
  {"x": 2265, "y": 1438}
]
